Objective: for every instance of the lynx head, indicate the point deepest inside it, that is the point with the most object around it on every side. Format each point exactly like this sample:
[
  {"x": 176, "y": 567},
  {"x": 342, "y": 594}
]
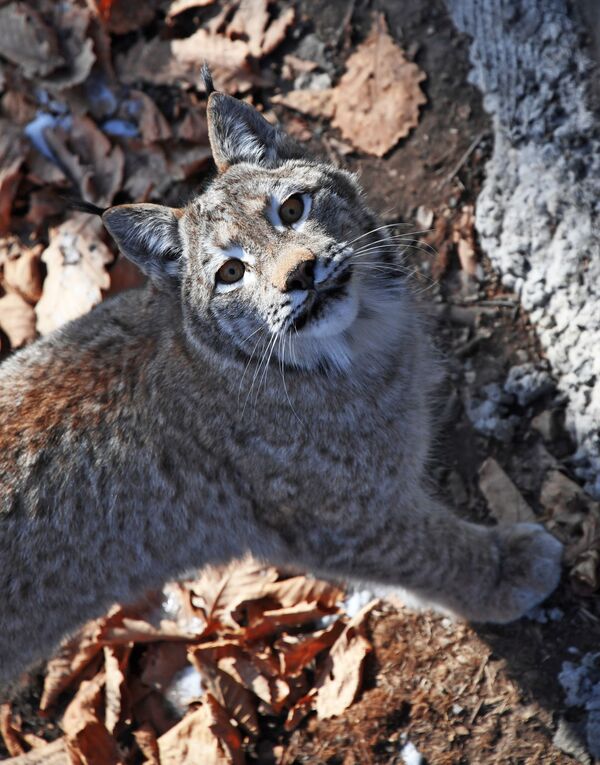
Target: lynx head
[{"x": 280, "y": 251}]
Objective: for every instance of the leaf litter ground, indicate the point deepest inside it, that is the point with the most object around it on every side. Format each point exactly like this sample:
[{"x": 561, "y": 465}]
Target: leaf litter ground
[{"x": 247, "y": 663}]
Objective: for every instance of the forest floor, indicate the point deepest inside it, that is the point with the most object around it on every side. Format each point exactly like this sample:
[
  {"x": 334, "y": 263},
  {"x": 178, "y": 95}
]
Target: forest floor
[{"x": 421, "y": 686}]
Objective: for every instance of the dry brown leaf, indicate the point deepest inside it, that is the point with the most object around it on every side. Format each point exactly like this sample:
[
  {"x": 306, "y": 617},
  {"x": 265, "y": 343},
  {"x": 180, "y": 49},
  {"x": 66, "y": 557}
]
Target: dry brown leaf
[
  {"x": 316, "y": 103},
  {"x": 193, "y": 127},
  {"x": 439, "y": 242},
  {"x": 304, "y": 589},
  {"x": 185, "y": 161},
  {"x": 28, "y": 41},
  {"x": 204, "y": 736},
  {"x": 71, "y": 22},
  {"x": 13, "y": 152},
  {"x": 215, "y": 49},
  {"x": 297, "y": 651},
  {"x": 122, "y": 16},
  {"x": 76, "y": 259},
  {"x": 22, "y": 273},
  {"x": 42, "y": 171},
  {"x": 377, "y": 100},
  {"x": 463, "y": 236},
  {"x": 300, "y": 709},
  {"x": 10, "y": 730},
  {"x": 268, "y": 622},
  {"x": 180, "y": 6},
  {"x": 145, "y": 738},
  {"x": 231, "y": 695},
  {"x": 249, "y": 23},
  {"x": 50, "y": 754},
  {"x": 163, "y": 62},
  {"x": 115, "y": 662},
  {"x": 297, "y": 127},
  {"x": 296, "y": 65},
  {"x": 237, "y": 700},
  {"x": 149, "y": 707},
  {"x": 275, "y": 33},
  {"x": 140, "y": 631},
  {"x": 560, "y": 494},
  {"x": 16, "y": 740},
  {"x": 378, "y": 97},
  {"x": 74, "y": 656},
  {"x": 227, "y": 44},
  {"x": 585, "y": 574},
  {"x": 340, "y": 678},
  {"x": 256, "y": 672},
  {"x": 146, "y": 172},
  {"x": 160, "y": 662},
  {"x": 151, "y": 122},
  {"x": 505, "y": 501},
  {"x": 18, "y": 107},
  {"x": 218, "y": 592},
  {"x": 88, "y": 740},
  {"x": 17, "y": 320},
  {"x": 89, "y": 158},
  {"x": 152, "y": 61}
]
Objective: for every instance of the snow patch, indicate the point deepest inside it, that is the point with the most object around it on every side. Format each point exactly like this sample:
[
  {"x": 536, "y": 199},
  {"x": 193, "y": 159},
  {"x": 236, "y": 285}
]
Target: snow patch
[
  {"x": 410, "y": 754},
  {"x": 185, "y": 688},
  {"x": 581, "y": 683}
]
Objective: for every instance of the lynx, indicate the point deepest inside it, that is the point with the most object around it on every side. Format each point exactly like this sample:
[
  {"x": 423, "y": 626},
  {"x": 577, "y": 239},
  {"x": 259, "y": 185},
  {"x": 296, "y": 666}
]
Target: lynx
[{"x": 268, "y": 392}]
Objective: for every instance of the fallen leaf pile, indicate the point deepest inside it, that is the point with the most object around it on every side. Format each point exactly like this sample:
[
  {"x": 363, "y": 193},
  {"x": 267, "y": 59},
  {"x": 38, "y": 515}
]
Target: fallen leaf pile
[
  {"x": 265, "y": 646},
  {"x": 575, "y": 519},
  {"x": 103, "y": 99},
  {"x": 84, "y": 110},
  {"x": 377, "y": 100}
]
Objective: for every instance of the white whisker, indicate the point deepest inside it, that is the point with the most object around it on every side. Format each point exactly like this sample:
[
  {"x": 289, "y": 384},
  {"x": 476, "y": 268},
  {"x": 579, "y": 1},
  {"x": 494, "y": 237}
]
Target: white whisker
[
  {"x": 256, "y": 372},
  {"x": 247, "y": 365},
  {"x": 282, "y": 338}
]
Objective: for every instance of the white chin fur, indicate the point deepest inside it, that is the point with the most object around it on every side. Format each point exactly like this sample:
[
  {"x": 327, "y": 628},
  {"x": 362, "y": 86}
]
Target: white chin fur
[
  {"x": 343, "y": 335},
  {"x": 337, "y": 317}
]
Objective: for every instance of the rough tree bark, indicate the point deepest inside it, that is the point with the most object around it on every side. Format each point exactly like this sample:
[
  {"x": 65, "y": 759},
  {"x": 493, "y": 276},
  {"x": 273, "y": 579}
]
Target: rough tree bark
[{"x": 538, "y": 213}]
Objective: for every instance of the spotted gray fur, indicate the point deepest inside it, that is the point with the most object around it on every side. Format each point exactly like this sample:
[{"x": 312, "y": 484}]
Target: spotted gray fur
[{"x": 188, "y": 422}]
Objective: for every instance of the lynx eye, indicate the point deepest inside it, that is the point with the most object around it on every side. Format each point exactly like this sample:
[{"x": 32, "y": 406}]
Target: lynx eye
[
  {"x": 231, "y": 271},
  {"x": 291, "y": 210}
]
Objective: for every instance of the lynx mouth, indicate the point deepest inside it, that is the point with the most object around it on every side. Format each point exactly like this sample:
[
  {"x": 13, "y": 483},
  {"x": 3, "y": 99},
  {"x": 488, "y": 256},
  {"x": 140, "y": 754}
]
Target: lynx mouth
[
  {"x": 325, "y": 303},
  {"x": 317, "y": 305}
]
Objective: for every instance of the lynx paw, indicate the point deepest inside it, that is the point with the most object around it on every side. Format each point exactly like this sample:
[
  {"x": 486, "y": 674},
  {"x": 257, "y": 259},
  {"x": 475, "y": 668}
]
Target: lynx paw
[{"x": 530, "y": 570}]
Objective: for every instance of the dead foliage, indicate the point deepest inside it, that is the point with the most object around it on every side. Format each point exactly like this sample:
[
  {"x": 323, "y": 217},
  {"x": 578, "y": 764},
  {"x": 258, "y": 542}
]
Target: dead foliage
[
  {"x": 377, "y": 100},
  {"x": 83, "y": 111},
  {"x": 264, "y": 645}
]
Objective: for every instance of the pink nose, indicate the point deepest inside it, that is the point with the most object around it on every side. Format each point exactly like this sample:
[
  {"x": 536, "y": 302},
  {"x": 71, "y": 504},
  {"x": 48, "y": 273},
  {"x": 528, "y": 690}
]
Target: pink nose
[{"x": 301, "y": 277}]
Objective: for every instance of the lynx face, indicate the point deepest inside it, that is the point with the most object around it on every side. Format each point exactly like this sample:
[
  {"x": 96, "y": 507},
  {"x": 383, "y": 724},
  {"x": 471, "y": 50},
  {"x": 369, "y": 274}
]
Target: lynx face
[{"x": 280, "y": 252}]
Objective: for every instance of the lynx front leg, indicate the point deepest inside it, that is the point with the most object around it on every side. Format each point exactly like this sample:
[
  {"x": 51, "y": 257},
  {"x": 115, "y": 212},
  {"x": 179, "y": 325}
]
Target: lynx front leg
[{"x": 480, "y": 573}]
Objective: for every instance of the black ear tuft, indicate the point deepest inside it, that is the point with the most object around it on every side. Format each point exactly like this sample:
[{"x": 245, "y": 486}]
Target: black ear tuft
[
  {"x": 148, "y": 235},
  {"x": 206, "y": 75},
  {"x": 74, "y": 201},
  {"x": 238, "y": 133}
]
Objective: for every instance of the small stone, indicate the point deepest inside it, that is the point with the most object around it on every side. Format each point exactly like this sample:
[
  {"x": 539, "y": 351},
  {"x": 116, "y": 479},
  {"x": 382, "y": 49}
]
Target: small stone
[{"x": 424, "y": 217}]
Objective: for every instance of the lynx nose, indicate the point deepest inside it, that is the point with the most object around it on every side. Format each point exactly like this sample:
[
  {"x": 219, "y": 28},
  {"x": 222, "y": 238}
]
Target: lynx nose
[{"x": 301, "y": 277}]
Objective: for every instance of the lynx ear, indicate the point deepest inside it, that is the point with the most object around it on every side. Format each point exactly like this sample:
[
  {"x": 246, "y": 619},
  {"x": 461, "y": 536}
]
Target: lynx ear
[
  {"x": 238, "y": 133},
  {"x": 148, "y": 235}
]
